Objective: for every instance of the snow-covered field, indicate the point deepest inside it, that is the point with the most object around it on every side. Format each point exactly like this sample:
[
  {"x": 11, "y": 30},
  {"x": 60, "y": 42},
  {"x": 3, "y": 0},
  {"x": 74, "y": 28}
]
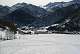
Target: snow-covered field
[{"x": 42, "y": 44}]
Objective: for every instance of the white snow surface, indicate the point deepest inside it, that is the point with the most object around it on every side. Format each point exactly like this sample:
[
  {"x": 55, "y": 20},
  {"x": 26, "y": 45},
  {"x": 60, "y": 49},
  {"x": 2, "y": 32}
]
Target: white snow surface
[{"x": 42, "y": 44}]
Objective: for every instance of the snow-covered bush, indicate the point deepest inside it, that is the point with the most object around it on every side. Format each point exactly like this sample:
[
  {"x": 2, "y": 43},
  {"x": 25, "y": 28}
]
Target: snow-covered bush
[{"x": 7, "y": 35}]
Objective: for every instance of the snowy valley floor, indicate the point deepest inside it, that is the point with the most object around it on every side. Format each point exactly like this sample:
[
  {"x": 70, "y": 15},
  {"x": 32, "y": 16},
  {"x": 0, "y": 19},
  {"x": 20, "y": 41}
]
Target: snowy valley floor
[{"x": 42, "y": 44}]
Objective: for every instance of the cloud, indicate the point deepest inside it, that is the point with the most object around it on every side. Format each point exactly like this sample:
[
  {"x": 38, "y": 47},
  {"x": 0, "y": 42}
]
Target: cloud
[{"x": 35, "y": 2}]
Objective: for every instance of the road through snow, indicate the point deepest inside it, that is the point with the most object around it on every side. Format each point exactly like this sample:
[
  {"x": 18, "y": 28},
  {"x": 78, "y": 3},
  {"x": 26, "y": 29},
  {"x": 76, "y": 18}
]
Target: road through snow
[{"x": 42, "y": 44}]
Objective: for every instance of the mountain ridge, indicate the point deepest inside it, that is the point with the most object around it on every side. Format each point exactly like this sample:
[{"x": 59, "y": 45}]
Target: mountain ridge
[{"x": 30, "y": 15}]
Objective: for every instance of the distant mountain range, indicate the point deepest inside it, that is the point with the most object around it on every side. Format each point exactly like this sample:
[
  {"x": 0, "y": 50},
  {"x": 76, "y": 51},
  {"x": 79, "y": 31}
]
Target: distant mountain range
[{"x": 23, "y": 14}]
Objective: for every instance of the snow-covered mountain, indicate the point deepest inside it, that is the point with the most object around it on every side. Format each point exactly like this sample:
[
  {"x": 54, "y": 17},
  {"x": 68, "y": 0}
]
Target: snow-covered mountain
[
  {"x": 27, "y": 14},
  {"x": 56, "y": 5}
]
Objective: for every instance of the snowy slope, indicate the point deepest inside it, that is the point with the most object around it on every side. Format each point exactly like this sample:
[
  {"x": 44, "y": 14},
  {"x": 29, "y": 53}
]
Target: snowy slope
[{"x": 42, "y": 44}]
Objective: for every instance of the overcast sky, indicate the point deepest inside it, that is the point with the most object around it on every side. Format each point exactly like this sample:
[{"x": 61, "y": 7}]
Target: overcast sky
[{"x": 35, "y": 2}]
